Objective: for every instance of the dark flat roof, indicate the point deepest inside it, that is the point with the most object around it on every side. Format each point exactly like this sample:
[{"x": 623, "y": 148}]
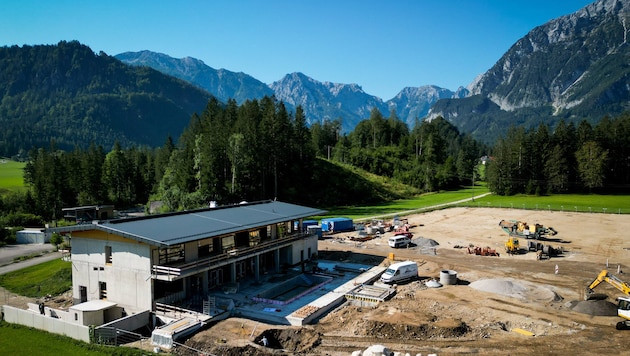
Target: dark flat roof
[{"x": 181, "y": 227}]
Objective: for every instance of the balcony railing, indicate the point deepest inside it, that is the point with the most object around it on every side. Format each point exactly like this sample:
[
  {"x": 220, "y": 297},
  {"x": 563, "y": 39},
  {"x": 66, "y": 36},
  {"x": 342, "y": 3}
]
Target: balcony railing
[{"x": 178, "y": 270}]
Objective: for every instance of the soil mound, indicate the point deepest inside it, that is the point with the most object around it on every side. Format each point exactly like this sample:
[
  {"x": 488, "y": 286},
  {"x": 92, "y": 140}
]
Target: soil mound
[
  {"x": 450, "y": 328},
  {"x": 595, "y": 307}
]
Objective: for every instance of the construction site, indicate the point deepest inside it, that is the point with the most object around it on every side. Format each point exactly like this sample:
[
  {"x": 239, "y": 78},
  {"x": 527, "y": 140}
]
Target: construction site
[
  {"x": 483, "y": 286},
  {"x": 504, "y": 303}
]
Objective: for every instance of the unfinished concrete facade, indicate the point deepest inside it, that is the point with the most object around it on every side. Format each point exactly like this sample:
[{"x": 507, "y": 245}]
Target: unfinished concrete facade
[{"x": 140, "y": 262}]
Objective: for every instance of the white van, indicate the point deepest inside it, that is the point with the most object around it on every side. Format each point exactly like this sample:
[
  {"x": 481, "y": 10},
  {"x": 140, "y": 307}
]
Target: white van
[
  {"x": 399, "y": 241},
  {"x": 400, "y": 271}
]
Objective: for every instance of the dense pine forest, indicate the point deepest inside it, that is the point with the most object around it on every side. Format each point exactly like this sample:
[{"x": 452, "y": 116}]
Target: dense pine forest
[{"x": 259, "y": 150}]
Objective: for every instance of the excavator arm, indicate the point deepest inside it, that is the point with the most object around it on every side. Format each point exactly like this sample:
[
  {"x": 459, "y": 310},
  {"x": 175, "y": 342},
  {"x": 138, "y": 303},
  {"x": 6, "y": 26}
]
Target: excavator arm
[{"x": 604, "y": 276}]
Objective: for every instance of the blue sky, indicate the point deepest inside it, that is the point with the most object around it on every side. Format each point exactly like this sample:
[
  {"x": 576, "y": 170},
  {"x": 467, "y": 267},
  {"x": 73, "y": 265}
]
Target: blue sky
[{"x": 383, "y": 46}]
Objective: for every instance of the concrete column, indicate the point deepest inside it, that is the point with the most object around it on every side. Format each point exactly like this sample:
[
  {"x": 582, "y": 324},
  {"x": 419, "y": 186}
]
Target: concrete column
[
  {"x": 276, "y": 256},
  {"x": 257, "y": 267},
  {"x": 204, "y": 281},
  {"x": 233, "y": 272}
]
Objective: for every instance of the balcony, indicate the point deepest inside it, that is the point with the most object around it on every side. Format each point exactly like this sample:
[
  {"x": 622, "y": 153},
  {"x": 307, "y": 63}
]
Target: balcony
[{"x": 184, "y": 269}]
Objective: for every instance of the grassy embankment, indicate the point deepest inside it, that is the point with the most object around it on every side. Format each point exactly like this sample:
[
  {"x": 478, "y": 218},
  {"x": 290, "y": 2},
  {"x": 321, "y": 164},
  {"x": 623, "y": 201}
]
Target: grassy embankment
[
  {"x": 48, "y": 278},
  {"x": 20, "y": 340},
  {"x": 52, "y": 277}
]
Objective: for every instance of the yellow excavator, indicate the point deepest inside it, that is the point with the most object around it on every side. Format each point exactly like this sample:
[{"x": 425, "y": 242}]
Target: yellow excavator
[
  {"x": 623, "y": 303},
  {"x": 511, "y": 246}
]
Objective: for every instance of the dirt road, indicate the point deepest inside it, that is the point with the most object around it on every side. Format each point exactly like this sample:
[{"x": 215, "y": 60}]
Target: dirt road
[{"x": 496, "y": 302}]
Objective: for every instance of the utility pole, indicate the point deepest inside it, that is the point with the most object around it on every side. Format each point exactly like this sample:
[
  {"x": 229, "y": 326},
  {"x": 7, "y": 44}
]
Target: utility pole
[{"x": 473, "y": 185}]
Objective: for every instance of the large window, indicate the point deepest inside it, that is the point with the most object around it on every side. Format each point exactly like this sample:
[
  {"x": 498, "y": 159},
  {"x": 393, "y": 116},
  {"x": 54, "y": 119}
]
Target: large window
[
  {"x": 205, "y": 248},
  {"x": 227, "y": 243},
  {"x": 171, "y": 254},
  {"x": 254, "y": 238},
  {"x": 108, "y": 254}
]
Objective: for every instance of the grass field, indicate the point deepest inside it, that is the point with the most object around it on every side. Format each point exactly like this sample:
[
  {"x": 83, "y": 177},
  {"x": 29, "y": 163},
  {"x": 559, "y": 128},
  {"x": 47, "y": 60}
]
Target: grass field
[
  {"x": 52, "y": 277},
  {"x": 415, "y": 204},
  {"x": 20, "y": 340},
  {"x": 590, "y": 203},
  {"x": 585, "y": 203},
  {"x": 11, "y": 175}
]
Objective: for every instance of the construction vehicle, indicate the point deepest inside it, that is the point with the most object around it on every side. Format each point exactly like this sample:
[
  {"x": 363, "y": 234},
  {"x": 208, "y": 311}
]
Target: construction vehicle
[
  {"x": 525, "y": 230},
  {"x": 482, "y": 251},
  {"x": 623, "y": 303},
  {"x": 511, "y": 246}
]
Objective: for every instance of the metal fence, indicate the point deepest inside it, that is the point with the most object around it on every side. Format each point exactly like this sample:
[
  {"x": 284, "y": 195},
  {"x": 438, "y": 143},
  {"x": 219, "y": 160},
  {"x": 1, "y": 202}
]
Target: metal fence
[{"x": 545, "y": 207}]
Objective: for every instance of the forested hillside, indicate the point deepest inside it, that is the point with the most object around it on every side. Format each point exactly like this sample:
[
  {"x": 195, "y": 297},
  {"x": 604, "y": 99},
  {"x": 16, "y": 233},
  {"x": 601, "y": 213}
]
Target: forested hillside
[
  {"x": 568, "y": 159},
  {"x": 68, "y": 94},
  {"x": 255, "y": 151}
]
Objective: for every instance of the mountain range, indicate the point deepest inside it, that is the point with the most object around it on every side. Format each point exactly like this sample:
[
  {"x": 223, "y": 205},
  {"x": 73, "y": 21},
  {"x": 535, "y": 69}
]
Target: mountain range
[
  {"x": 573, "y": 68},
  {"x": 320, "y": 100}
]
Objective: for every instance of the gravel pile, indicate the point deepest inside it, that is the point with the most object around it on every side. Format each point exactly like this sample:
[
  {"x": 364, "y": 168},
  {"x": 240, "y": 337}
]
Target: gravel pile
[
  {"x": 595, "y": 307},
  {"x": 515, "y": 289},
  {"x": 424, "y": 243},
  {"x": 424, "y": 246},
  {"x": 500, "y": 286}
]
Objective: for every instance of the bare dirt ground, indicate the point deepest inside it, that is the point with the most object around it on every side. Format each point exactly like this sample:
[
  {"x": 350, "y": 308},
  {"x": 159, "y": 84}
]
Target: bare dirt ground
[{"x": 493, "y": 297}]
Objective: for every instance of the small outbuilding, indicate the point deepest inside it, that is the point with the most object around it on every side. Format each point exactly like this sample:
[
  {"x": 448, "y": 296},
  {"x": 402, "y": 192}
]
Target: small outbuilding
[{"x": 32, "y": 236}]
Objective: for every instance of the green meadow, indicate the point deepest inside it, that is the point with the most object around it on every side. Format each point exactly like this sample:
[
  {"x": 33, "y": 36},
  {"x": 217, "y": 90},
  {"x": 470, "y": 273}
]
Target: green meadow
[
  {"x": 11, "y": 175},
  {"x": 584, "y": 203}
]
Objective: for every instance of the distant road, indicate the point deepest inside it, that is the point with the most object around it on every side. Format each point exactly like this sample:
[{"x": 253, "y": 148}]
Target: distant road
[
  {"x": 10, "y": 252},
  {"x": 424, "y": 208}
]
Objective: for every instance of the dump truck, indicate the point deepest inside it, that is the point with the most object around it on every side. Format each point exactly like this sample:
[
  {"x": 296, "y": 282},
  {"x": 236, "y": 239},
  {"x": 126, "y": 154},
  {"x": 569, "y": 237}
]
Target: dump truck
[{"x": 623, "y": 303}]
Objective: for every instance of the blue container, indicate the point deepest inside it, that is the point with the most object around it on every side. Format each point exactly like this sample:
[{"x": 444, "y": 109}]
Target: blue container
[
  {"x": 305, "y": 224},
  {"x": 337, "y": 225}
]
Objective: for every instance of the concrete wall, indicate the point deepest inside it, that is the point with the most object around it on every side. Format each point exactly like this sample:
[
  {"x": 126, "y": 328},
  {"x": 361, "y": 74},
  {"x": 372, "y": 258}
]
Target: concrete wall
[
  {"x": 303, "y": 245},
  {"x": 128, "y": 277},
  {"x": 46, "y": 323},
  {"x": 66, "y": 316},
  {"x": 191, "y": 251},
  {"x": 131, "y": 322}
]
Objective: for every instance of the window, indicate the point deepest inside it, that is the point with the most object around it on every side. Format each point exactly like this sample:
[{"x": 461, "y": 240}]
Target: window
[
  {"x": 102, "y": 290},
  {"x": 254, "y": 238},
  {"x": 171, "y": 254},
  {"x": 227, "y": 243},
  {"x": 83, "y": 293},
  {"x": 108, "y": 254},
  {"x": 205, "y": 248}
]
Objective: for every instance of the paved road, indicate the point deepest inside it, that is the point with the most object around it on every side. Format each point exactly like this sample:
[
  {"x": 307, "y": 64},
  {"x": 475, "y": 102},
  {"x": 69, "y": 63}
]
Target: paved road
[{"x": 8, "y": 253}]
